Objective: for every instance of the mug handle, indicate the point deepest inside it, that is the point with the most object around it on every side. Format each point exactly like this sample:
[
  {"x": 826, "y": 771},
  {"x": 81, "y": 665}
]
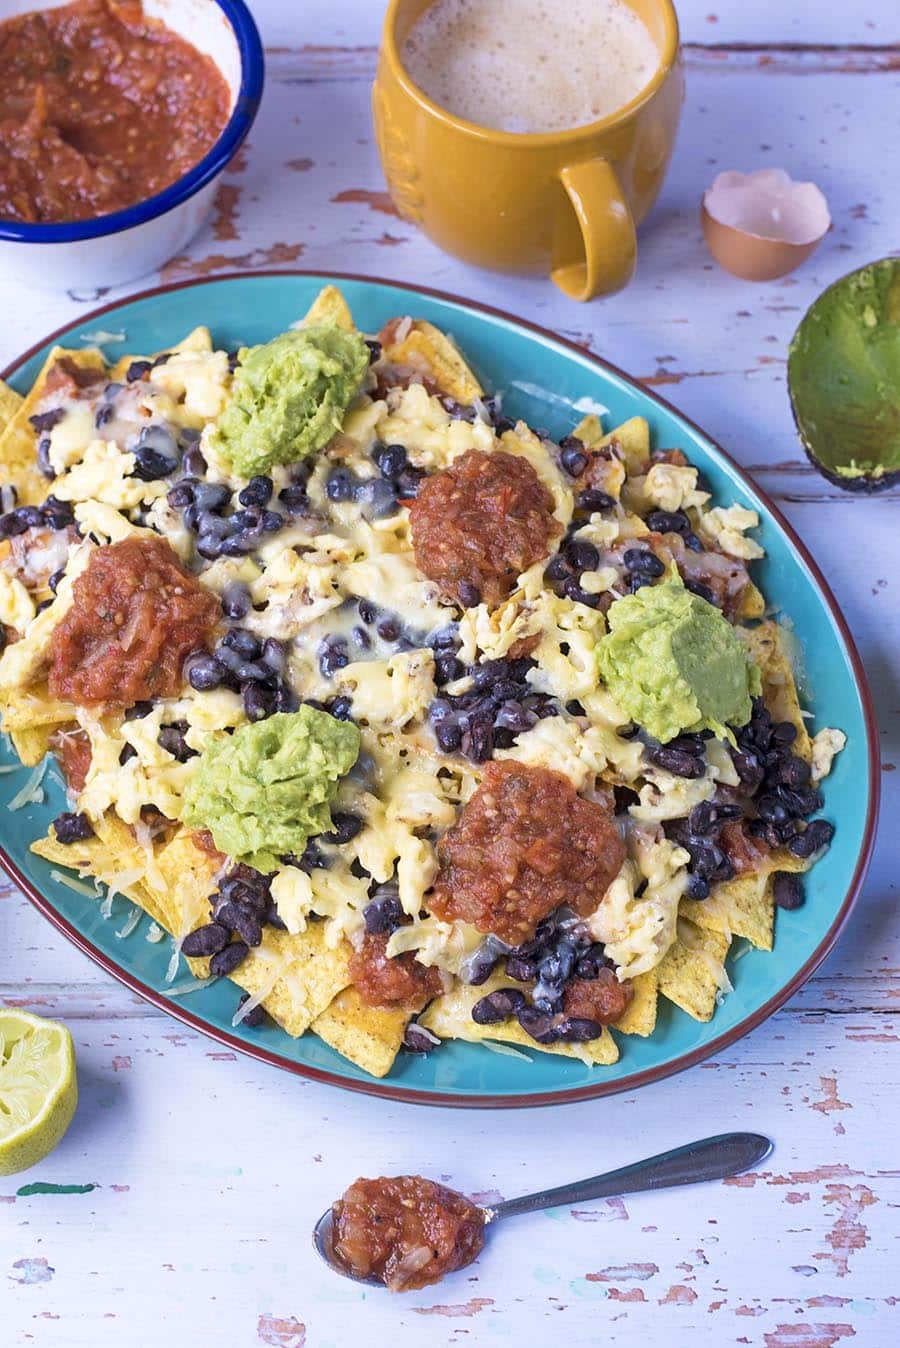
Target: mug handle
[{"x": 602, "y": 259}]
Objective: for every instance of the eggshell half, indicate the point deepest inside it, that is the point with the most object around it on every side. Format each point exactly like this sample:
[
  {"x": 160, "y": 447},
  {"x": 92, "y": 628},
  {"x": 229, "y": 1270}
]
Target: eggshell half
[{"x": 762, "y": 225}]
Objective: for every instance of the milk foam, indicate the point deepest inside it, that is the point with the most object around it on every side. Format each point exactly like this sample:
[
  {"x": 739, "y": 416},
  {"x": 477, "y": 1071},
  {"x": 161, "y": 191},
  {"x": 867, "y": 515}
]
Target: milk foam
[{"x": 530, "y": 65}]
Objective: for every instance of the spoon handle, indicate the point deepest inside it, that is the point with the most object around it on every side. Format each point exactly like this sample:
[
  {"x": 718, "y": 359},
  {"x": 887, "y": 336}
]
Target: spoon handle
[{"x": 712, "y": 1158}]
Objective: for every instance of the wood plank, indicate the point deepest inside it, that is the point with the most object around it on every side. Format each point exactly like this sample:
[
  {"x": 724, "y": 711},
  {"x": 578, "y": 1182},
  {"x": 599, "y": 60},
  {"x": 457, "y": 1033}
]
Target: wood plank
[{"x": 210, "y": 1169}]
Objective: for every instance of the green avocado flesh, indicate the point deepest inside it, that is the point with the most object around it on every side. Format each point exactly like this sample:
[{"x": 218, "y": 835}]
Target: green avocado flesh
[
  {"x": 674, "y": 663},
  {"x": 844, "y": 377},
  {"x": 289, "y": 396},
  {"x": 266, "y": 790}
]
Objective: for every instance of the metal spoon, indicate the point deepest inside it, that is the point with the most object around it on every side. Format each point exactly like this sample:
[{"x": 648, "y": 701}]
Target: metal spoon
[{"x": 712, "y": 1158}]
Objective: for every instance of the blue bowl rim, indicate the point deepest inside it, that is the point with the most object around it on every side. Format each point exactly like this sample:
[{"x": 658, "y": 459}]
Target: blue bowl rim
[
  {"x": 387, "y": 1090},
  {"x": 213, "y": 162}
]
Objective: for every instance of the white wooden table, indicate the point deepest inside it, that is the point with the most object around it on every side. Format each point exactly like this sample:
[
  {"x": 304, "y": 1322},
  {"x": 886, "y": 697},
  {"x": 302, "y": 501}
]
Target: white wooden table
[{"x": 202, "y": 1171}]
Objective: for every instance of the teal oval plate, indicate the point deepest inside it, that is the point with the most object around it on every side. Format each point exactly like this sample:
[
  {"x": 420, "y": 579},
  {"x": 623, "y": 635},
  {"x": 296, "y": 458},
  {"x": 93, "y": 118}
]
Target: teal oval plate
[{"x": 545, "y": 380}]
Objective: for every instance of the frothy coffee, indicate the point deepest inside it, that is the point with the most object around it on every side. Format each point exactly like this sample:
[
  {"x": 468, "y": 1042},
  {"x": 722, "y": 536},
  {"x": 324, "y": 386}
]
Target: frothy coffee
[{"x": 530, "y": 65}]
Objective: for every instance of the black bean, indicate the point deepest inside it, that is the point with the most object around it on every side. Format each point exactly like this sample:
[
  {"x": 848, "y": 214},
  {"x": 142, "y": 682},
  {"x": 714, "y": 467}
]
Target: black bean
[
  {"x": 578, "y": 1030},
  {"x": 367, "y": 610},
  {"x": 498, "y": 1005},
  {"x": 784, "y": 733},
  {"x": 591, "y": 499},
  {"x": 171, "y": 738},
  {"x": 668, "y": 522},
  {"x": 679, "y": 762},
  {"x": 749, "y": 769},
  {"x": 72, "y": 828},
  {"x": 236, "y": 600},
  {"x": 237, "y": 918},
  {"x": 8, "y": 497},
  {"x": 204, "y": 672},
  {"x": 259, "y": 701},
  {"x": 383, "y": 914},
  {"x": 448, "y": 735},
  {"x": 478, "y": 741},
  {"x": 536, "y": 1024},
  {"x": 340, "y": 708},
  {"x": 211, "y": 496},
  {"x": 446, "y": 638},
  {"x": 702, "y": 591},
  {"x": 105, "y": 413},
  {"x": 791, "y": 771},
  {"x": 706, "y": 859},
  {"x": 377, "y": 498},
  {"x": 391, "y": 459},
  {"x": 697, "y": 887},
  {"x": 558, "y": 569},
  {"x": 256, "y": 1016},
  {"x": 409, "y": 481},
  {"x": 447, "y": 668},
  {"x": 193, "y": 462},
  {"x": 245, "y": 644},
  {"x": 572, "y": 456},
  {"x": 583, "y": 555},
  {"x": 589, "y": 965},
  {"x": 45, "y": 421},
  {"x": 573, "y": 591},
  {"x": 182, "y": 494},
  {"x": 483, "y": 962},
  {"x": 57, "y": 576},
  {"x": 285, "y": 697},
  {"x": 332, "y": 656},
  {"x": 346, "y": 825},
  {"x": 155, "y": 454},
  {"x": 817, "y": 835},
  {"x": 138, "y": 369},
  {"x": 227, "y": 960},
  {"x": 521, "y": 969},
  {"x": 693, "y": 542},
  {"x": 643, "y": 562},
  {"x": 374, "y": 349},
  {"x": 787, "y": 890},
  {"x": 294, "y": 498},
  {"x": 208, "y": 940},
  {"x": 417, "y": 1039},
  {"x": 258, "y": 491},
  {"x": 469, "y": 594}
]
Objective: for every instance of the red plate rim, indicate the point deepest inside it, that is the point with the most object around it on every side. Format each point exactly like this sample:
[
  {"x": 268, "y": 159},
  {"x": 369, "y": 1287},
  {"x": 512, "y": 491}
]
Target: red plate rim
[{"x": 386, "y": 1090}]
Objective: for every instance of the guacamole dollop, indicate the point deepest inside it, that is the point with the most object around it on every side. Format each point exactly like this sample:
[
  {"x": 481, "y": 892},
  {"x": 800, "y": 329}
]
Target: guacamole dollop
[
  {"x": 674, "y": 663},
  {"x": 289, "y": 396},
  {"x": 265, "y": 790}
]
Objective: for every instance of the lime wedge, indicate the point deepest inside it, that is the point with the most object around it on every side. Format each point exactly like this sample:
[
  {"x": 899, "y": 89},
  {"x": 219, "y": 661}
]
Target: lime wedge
[{"x": 38, "y": 1089}]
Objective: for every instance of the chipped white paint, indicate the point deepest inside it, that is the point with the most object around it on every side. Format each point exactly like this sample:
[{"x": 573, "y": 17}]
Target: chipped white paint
[{"x": 210, "y": 1168}]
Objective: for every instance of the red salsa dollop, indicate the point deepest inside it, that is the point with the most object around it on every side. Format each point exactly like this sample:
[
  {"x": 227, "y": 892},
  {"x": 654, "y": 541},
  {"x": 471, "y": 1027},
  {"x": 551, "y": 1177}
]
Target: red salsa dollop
[
  {"x": 136, "y": 614},
  {"x": 100, "y": 107},
  {"x": 406, "y": 1231}
]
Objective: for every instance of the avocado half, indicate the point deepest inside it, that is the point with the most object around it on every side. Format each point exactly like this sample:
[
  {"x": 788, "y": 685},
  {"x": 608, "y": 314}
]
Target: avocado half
[{"x": 844, "y": 379}]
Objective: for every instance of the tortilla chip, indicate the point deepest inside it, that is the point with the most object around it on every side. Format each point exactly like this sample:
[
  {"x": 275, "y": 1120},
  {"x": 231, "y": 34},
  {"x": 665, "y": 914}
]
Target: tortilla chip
[
  {"x": 198, "y": 339},
  {"x": 640, "y": 1018},
  {"x": 18, "y": 442},
  {"x": 589, "y": 431},
  {"x": 31, "y": 717},
  {"x": 693, "y": 970},
  {"x": 752, "y": 604},
  {"x": 111, "y": 852},
  {"x": 744, "y": 906},
  {"x": 366, "y": 1035},
  {"x": 432, "y": 352},
  {"x": 633, "y": 440},
  {"x": 767, "y": 644},
  {"x": 300, "y": 975},
  {"x": 450, "y": 1017},
  {"x": 329, "y": 306},
  {"x": 10, "y": 402},
  {"x": 190, "y": 877}
]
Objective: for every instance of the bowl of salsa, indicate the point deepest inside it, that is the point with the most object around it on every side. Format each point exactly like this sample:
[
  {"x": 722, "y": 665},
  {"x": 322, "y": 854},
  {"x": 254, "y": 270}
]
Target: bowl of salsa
[{"x": 116, "y": 119}]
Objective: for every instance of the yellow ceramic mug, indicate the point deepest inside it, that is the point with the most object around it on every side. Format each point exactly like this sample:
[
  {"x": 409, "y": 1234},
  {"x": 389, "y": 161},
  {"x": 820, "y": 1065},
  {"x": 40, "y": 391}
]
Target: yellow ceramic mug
[{"x": 564, "y": 202}]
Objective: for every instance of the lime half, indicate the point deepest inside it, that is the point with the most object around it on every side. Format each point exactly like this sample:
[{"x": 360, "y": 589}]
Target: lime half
[{"x": 38, "y": 1089}]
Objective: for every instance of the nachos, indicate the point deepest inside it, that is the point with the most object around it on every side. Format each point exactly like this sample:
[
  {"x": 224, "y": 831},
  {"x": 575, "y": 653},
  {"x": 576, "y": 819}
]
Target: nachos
[{"x": 409, "y": 720}]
